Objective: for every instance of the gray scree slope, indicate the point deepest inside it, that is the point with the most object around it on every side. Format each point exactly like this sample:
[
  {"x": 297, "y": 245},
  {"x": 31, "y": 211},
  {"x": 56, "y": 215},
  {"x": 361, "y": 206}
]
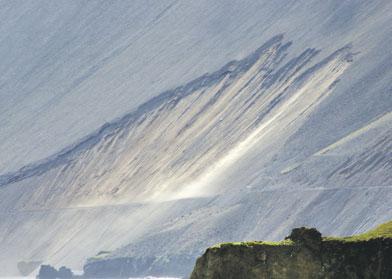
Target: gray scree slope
[{"x": 299, "y": 132}]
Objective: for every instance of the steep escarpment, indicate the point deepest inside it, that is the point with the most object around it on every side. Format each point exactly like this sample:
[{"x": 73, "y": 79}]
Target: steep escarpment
[{"x": 304, "y": 254}]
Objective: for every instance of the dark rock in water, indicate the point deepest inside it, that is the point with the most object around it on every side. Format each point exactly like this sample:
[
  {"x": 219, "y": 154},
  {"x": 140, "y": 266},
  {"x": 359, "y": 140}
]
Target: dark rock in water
[
  {"x": 303, "y": 254},
  {"x": 106, "y": 265},
  {"x": 64, "y": 273},
  {"x": 49, "y": 272},
  {"x": 117, "y": 267}
]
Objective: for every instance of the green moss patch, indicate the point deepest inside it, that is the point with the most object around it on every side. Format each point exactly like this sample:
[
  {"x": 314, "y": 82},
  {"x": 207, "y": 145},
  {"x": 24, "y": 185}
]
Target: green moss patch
[
  {"x": 382, "y": 231},
  {"x": 254, "y": 243}
]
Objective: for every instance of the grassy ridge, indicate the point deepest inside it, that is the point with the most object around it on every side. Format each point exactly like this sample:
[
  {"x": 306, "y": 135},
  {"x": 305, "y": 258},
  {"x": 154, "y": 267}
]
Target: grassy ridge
[
  {"x": 254, "y": 243},
  {"x": 382, "y": 231}
]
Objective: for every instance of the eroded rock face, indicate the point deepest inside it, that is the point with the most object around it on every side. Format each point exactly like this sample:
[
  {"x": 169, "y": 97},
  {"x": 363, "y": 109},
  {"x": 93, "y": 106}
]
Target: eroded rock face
[
  {"x": 309, "y": 237},
  {"x": 304, "y": 254}
]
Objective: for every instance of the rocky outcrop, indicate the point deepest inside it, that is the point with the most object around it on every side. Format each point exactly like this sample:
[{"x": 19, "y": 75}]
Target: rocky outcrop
[
  {"x": 49, "y": 272},
  {"x": 140, "y": 267},
  {"x": 116, "y": 268},
  {"x": 303, "y": 254}
]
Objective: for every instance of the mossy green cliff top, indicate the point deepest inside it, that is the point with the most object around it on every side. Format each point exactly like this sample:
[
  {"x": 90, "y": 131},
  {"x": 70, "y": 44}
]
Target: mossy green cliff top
[{"x": 382, "y": 231}]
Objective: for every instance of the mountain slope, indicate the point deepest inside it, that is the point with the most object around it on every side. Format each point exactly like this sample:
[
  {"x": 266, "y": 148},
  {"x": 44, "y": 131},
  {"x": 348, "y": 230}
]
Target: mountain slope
[
  {"x": 69, "y": 67},
  {"x": 172, "y": 157},
  {"x": 288, "y": 135},
  {"x": 217, "y": 117}
]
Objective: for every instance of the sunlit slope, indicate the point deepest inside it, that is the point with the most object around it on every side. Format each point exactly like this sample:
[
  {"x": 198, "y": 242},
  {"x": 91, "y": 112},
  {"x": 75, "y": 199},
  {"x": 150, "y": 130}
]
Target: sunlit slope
[
  {"x": 69, "y": 66},
  {"x": 295, "y": 131},
  {"x": 214, "y": 160},
  {"x": 189, "y": 135}
]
